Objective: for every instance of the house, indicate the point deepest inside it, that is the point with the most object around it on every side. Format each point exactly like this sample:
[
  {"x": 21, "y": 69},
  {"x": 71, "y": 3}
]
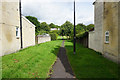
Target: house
[
  {"x": 106, "y": 36},
  {"x": 10, "y": 37}
]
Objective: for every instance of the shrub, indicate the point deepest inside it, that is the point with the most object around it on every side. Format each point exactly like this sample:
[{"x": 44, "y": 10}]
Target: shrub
[
  {"x": 82, "y": 35},
  {"x": 53, "y": 36}
]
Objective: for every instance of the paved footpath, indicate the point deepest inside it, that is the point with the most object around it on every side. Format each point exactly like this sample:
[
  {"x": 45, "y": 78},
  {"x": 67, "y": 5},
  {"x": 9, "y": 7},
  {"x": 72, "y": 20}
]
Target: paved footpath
[{"x": 62, "y": 69}]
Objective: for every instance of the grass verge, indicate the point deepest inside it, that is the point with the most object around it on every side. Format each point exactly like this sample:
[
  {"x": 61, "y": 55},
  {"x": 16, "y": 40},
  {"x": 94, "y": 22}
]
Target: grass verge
[
  {"x": 32, "y": 62},
  {"x": 87, "y": 63}
]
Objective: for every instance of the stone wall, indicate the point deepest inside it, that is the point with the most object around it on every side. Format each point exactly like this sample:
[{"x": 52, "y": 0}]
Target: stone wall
[
  {"x": 96, "y": 42},
  {"x": 10, "y": 20},
  {"x": 28, "y": 33},
  {"x": 42, "y": 39},
  {"x": 107, "y": 18},
  {"x": 91, "y": 40},
  {"x": 0, "y": 28},
  {"x": 119, "y": 32},
  {"x": 111, "y": 24}
]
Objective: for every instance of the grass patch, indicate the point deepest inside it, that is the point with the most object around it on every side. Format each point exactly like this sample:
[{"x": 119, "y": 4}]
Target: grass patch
[
  {"x": 32, "y": 62},
  {"x": 62, "y": 37},
  {"x": 87, "y": 63},
  {"x": 59, "y": 38}
]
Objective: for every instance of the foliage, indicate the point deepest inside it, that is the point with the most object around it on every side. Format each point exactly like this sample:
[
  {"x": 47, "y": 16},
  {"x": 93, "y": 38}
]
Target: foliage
[
  {"x": 52, "y": 25},
  {"x": 87, "y": 63},
  {"x": 80, "y": 28},
  {"x": 55, "y": 31},
  {"x": 53, "y": 36},
  {"x": 32, "y": 62},
  {"x": 44, "y": 26},
  {"x": 34, "y": 20},
  {"x": 90, "y": 26},
  {"x": 41, "y": 32},
  {"x": 81, "y": 35},
  {"x": 66, "y": 28},
  {"x": 40, "y": 27}
]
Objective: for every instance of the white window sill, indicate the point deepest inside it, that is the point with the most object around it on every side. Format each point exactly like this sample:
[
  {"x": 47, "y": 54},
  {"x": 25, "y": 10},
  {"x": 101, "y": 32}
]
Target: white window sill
[
  {"x": 106, "y": 42},
  {"x": 17, "y": 37}
]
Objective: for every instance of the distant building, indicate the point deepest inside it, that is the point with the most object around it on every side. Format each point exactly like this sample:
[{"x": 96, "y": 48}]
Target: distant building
[
  {"x": 106, "y": 36},
  {"x": 10, "y": 38}
]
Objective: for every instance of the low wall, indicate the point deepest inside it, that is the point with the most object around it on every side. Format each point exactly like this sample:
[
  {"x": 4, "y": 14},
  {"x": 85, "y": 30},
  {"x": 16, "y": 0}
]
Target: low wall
[{"x": 42, "y": 39}]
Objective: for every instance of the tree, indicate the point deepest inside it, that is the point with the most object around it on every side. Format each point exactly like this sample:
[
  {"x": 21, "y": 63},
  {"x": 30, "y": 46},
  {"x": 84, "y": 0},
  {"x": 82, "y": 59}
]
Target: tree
[
  {"x": 66, "y": 29},
  {"x": 52, "y": 25},
  {"x": 80, "y": 28},
  {"x": 44, "y": 26},
  {"x": 90, "y": 26}
]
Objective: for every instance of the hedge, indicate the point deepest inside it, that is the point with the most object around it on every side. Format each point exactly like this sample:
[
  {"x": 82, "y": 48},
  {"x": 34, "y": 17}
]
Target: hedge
[{"x": 53, "y": 36}]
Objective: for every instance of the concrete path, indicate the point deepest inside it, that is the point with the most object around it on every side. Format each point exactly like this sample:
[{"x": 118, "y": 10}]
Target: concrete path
[{"x": 62, "y": 69}]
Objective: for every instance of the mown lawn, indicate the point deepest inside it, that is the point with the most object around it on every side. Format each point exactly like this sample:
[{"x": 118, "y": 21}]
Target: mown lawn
[
  {"x": 87, "y": 63},
  {"x": 32, "y": 62},
  {"x": 61, "y": 37}
]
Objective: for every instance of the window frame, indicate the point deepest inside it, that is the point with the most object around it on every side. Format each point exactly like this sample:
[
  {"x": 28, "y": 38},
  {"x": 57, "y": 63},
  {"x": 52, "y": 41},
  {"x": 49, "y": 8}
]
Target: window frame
[
  {"x": 107, "y": 34},
  {"x": 17, "y": 32}
]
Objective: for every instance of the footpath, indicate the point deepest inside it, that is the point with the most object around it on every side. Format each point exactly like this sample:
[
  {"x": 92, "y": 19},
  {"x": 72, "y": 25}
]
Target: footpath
[{"x": 62, "y": 69}]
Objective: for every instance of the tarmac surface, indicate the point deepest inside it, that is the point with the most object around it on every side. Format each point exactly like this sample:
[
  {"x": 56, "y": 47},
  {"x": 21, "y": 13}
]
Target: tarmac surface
[{"x": 62, "y": 69}]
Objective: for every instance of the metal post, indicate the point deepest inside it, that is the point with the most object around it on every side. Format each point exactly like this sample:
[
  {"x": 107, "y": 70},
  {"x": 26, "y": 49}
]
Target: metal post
[
  {"x": 20, "y": 24},
  {"x": 74, "y": 31}
]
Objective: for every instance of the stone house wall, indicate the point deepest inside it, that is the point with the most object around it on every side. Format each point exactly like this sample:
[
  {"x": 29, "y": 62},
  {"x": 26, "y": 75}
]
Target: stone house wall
[
  {"x": 9, "y": 42},
  {"x": 28, "y": 33},
  {"x": 96, "y": 37},
  {"x": 107, "y": 18}
]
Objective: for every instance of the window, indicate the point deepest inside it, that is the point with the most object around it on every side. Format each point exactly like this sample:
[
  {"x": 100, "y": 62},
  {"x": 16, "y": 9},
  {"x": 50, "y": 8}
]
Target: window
[
  {"x": 107, "y": 37},
  {"x": 17, "y": 32}
]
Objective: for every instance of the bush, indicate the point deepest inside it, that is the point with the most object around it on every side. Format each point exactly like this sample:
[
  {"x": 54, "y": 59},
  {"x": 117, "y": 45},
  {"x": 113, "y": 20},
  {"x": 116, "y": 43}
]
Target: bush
[
  {"x": 53, "y": 36},
  {"x": 81, "y": 35},
  {"x": 55, "y": 31}
]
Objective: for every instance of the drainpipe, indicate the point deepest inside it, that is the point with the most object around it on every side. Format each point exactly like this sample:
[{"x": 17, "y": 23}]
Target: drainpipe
[{"x": 20, "y": 24}]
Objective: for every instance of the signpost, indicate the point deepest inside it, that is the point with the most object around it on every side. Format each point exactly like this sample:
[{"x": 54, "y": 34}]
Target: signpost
[{"x": 74, "y": 31}]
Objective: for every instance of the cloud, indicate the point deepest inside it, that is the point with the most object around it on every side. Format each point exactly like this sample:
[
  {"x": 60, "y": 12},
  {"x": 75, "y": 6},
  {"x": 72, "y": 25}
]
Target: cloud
[{"x": 54, "y": 11}]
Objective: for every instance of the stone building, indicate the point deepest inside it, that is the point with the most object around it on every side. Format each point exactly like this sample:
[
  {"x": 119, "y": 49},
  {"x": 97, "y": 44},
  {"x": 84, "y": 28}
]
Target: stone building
[
  {"x": 10, "y": 38},
  {"x": 106, "y": 36}
]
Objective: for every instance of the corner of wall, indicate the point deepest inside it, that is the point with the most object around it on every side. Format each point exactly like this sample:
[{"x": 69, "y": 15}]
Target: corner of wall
[
  {"x": 119, "y": 31},
  {"x": 0, "y": 28}
]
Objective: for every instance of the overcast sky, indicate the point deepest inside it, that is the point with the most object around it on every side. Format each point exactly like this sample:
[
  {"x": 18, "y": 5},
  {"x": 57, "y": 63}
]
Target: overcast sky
[{"x": 58, "y": 11}]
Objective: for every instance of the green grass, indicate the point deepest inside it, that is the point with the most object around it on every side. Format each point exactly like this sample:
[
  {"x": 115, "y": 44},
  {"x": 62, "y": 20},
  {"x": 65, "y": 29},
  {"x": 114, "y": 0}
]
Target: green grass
[
  {"x": 59, "y": 38},
  {"x": 32, "y": 62},
  {"x": 87, "y": 63}
]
